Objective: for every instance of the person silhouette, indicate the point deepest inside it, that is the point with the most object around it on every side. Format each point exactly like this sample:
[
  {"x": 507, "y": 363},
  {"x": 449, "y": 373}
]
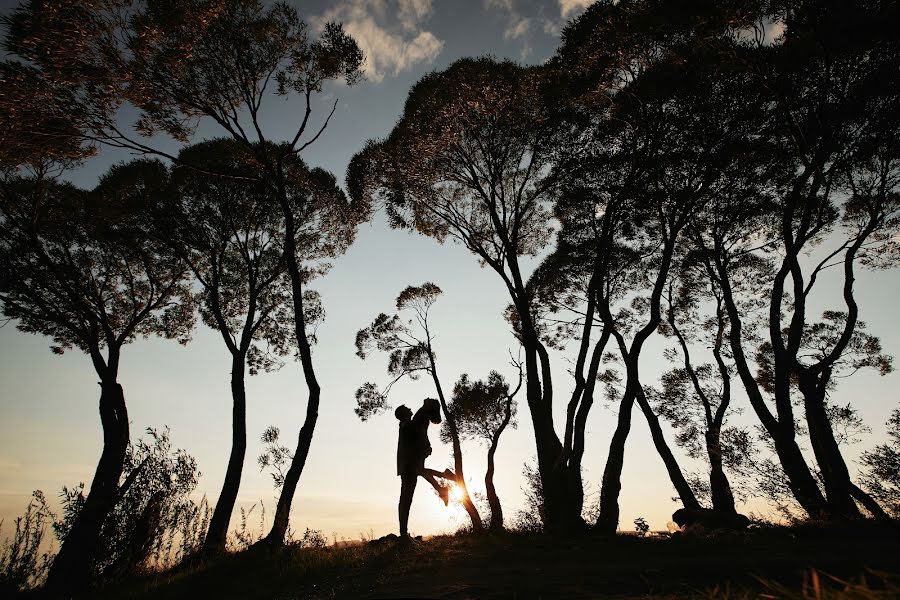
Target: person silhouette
[{"x": 412, "y": 450}]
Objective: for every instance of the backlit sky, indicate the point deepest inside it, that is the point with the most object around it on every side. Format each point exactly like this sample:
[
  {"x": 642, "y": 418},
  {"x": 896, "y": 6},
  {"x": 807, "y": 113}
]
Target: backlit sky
[{"x": 50, "y": 432}]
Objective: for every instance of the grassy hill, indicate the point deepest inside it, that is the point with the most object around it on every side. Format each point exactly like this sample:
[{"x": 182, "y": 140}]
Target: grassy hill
[{"x": 764, "y": 563}]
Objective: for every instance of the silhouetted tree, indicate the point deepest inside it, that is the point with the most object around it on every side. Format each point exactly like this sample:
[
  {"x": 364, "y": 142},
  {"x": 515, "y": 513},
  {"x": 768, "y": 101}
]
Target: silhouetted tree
[
  {"x": 229, "y": 231},
  {"x": 86, "y": 270},
  {"x": 152, "y": 501},
  {"x": 205, "y": 58},
  {"x": 882, "y": 475},
  {"x": 471, "y": 160},
  {"x": 696, "y": 398},
  {"x": 833, "y": 182},
  {"x": 409, "y": 344},
  {"x": 483, "y": 410},
  {"x": 661, "y": 138}
]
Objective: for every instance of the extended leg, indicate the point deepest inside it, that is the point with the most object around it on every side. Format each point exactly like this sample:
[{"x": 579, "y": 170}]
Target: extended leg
[
  {"x": 407, "y": 487},
  {"x": 429, "y": 476}
]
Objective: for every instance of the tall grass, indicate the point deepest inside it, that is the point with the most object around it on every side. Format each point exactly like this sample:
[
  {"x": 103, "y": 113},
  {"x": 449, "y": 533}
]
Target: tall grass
[{"x": 23, "y": 563}]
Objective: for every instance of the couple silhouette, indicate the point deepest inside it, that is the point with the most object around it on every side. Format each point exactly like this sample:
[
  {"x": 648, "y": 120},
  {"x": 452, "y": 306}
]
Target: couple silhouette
[{"x": 412, "y": 450}]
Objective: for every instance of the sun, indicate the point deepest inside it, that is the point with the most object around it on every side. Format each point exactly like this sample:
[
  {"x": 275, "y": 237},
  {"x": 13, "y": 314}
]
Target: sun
[{"x": 456, "y": 493}]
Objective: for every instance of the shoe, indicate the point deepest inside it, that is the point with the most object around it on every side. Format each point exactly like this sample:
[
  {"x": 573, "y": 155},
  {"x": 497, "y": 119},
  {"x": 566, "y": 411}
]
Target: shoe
[
  {"x": 445, "y": 494},
  {"x": 448, "y": 474}
]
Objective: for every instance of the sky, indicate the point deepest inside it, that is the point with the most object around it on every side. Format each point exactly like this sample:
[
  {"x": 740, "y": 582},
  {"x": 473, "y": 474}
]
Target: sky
[{"x": 50, "y": 432}]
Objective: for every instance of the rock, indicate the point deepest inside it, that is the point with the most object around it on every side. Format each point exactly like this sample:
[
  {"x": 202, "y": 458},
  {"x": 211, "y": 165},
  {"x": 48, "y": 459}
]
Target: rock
[{"x": 709, "y": 519}]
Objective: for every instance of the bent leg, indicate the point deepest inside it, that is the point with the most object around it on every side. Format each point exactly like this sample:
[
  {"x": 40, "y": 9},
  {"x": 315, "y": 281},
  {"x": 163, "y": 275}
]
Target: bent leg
[{"x": 429, "y": 475}]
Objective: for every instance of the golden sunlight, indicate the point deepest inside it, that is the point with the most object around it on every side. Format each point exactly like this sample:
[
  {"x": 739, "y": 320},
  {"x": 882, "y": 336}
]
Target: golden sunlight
[{"x": 456, "y": 493}]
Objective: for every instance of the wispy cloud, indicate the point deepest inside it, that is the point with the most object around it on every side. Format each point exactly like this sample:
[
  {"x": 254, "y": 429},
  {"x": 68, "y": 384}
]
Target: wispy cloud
[
  {"x": 572, "y": 8},
  {"x": 517, "y": 25},
  {"x": 390, "y": 32},
  {"x": 568, "y": 9}
]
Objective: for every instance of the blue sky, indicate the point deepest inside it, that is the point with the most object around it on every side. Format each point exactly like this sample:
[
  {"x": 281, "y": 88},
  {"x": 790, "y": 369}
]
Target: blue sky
[{"x": 49, "y": 427}]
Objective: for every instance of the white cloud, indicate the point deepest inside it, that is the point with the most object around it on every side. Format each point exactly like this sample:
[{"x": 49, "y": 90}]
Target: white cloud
[
  {"x": 572, "y": 8},
  {"x": 389, "y": 32},
  {"x": 552, "y": 28},
  {"x": 517, "y": 27}
]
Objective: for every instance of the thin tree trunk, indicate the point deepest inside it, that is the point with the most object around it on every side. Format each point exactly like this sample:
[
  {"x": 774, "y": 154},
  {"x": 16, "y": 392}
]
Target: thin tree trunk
[
  {"x": 493, "y": 499},
  {"x": 477, "y": 525},
  {"x": 304, "y": 438},
  {"x": 71, "y": 573},
  {"x": 800, "y": 480},
  {"x": 608, "y": 517},
  {"x": 688, "y": 499},
  {"x": 584, "y": 408},
  {"x": 216, "y": 536}
]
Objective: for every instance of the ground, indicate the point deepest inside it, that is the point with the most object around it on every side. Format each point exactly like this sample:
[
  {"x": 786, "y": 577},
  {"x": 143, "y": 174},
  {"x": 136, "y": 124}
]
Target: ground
[{"x": 766, "y": 563}]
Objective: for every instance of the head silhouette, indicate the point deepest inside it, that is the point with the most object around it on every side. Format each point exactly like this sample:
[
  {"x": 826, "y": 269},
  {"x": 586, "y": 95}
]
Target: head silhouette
[
  {"x": 403, "y": 413},
  {"x": 432, "y": 408}
]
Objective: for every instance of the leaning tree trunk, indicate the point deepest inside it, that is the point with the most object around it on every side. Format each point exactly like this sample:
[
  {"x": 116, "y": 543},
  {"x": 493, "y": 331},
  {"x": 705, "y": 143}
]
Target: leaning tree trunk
[
  {"x": 304, "y": 438},
  {"x": 688, "y": 499},
  {"x": 611, "y": 485},
  {"x": 869, "y": 502},
  {"x": 800, "y": 480},
  {"x": 72, "y": 569},
  {"x": 477, "y": 525},
  {"x": 218, "y": 526},
  {"x": 491, "y": 491},
  {"x": 835, "y": 475}
]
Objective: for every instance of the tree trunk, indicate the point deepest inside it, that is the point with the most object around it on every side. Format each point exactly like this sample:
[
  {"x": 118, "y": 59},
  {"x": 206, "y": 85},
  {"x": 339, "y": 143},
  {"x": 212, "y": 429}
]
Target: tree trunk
[
  {"x": 304, "y": 438},
  {"x": 608, "y": 518},
  {"x": 836, "y": 477},
  {"x": 688, "y": 499},
  {"x": 71, "y": 570},
  {"x": 493, "y": 499},
  {"x": 218, "y": 526},
  {"x": 555, "y": 480},
  {"x": 584, "y": 408},
  {"x": 869, "y": 502},
  {"x": 801, "y": 481},
  {"x": 477, "y": 525},
  {"x": 722, "y": 496}
]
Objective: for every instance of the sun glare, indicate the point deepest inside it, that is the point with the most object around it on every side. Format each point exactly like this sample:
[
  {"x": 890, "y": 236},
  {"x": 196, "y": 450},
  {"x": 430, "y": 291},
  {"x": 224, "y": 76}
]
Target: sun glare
[{"x": 456, "y": 493}]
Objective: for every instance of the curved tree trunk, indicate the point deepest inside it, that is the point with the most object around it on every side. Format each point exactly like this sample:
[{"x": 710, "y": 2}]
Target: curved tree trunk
[
  {"x": 688, "y": 499},
  {"x": 722, "y": 496},
  {"x": 584, "y": 408},
  {"x": 71, "y": 570},
  {"x": 493, "y": 499},
  {"x": 216, "y": 536},
  {"x": 835, "y": 475},
  {"x": 477, "y": 525},
  {"x": 559, "y": 515},
  {"x": 801, "y": 481},
  {"x": 608, "y": 518},
  {"x": 304, "y": 438}
]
